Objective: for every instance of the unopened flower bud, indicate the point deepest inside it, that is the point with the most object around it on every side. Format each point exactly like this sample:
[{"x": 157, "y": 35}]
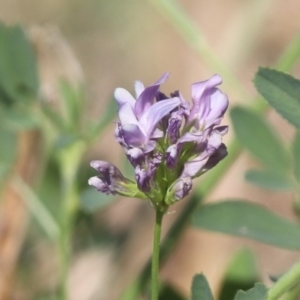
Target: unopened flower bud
[
  {"x": 111, "y": 181},
  {"x": 178, "y": 190}
]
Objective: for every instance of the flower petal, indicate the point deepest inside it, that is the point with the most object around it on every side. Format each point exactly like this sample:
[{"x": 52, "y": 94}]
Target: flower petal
[
  {"x": 100, "y": 185},
  {"x": 214, "y": 141},
  {"x": 133, "y": 135},
  {"x": 218, "y": 104},
  {"x": 193, "y": 168},
  {"x": 139, "y": 88},
  {"x": 172, "y": 156},
  {"x": 136, "y": 156},
  {"x": 146, "y": 98},
  {"x": 215, "y": 158},
  {"x": 178, "y": 190},
  {"x": 122, "y": 96},
  {"x": 197, "y": 137},
  {"x": 200, "y": 87},
  {"x": 201, "y": 94},
  {"x": 126, "y": 115},
  {"x": 156, "y": 112}
]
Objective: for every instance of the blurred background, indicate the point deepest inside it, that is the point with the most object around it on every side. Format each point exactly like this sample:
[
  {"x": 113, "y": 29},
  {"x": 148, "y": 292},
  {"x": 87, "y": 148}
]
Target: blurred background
[{"x": 99, "y": 45}]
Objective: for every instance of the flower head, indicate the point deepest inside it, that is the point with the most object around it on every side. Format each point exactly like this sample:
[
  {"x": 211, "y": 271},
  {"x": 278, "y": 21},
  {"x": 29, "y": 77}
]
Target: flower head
[{"x": 168, "y": 141}]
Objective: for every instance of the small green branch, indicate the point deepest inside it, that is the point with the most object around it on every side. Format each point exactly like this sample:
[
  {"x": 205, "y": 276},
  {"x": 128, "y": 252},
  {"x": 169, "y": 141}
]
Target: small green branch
[
  {"x": 155, "y": 254},
  {"x": 285, "y": 283}
]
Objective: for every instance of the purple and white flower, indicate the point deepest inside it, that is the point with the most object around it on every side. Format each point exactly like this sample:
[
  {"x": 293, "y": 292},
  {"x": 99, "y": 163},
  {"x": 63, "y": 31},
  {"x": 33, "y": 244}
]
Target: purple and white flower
[
  {"x": 139, "y": 118},
  {"x": 168, "y": 141}
]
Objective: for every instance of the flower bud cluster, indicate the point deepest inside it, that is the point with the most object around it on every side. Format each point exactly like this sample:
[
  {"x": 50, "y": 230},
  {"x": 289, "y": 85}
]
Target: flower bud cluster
[{"x": 167, "y": 140}]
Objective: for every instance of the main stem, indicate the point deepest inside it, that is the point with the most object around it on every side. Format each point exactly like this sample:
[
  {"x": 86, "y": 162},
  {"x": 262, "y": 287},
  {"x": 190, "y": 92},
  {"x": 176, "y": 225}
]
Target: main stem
[{"x": 155, "y": 254}]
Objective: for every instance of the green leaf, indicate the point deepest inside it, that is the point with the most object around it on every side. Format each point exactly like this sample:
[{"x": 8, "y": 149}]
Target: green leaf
[
  {"x": 8, "y": 150},
  {"x": 281, "y": 91},
  {"x": 296, "y": 155},
  {"x": 18, "y": 70},
  {"x": 200, "y": 288},
  {"x": 18, "y": 120},
  {"x": 248, "y": 220},
  {"x": 72, "y": 97},
  {"x": 92, "y": 200},
  {"x": 242, "y": 273},
  {"x": 259, "y": 139},
  {"x": 259, "y": 292},
  {"x": 269, "y": 180}
]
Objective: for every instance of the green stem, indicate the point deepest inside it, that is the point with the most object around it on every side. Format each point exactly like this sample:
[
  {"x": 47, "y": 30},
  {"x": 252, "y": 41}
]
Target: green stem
[
  {"x": 285, "y": 283},
  {"x": 155, "y": 254},
  {"x": 69, "y": 160},
  {"x": 292, "y": 294},
  {"x": 68, "y": 212}
]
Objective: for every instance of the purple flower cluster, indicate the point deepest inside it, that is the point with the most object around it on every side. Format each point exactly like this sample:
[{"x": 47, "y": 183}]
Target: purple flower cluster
[{"x": 168, "y": 141}]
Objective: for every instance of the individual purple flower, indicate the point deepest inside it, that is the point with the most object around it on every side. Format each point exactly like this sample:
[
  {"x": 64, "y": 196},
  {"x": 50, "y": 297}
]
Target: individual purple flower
[
  {"x": 201, "y": 139},
  {"x": 203, "y": 152},
  {"x": 209, "y": 104},
  {"x": 111, "y": 181},
  {"x": 139, "y": 118}
]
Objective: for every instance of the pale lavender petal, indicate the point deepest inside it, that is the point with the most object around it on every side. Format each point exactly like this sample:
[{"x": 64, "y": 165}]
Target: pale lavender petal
[
  {"x": 214, "y": 141},
  {"x": 199, "y": 88},
  {"x": 136, "y": 156},
  {"x": 100, "y": 185},
  {"x": 218, "y": 104},
  {"x": 122, "y": 96},
  {"x": 201, "y": 95},
  {"x": 192, "y": 168},
  {"x": 139, "y": 88},
  {"x": 149, "y": 147},
  {"x": 157, "y": 134},
  {"x": 179, "y": 189},
  {"x": 146, "y": 98},
  {"x": 215, "y": 158},
  {"x": 133, "y": 135},
  {"x": 156, "y": 112},
  {"x": 172, "y": 156},
  {"x": 126, "y": 115},
  {"x": 109, "y": 180},
  {"x": 197, "y": 137}
]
